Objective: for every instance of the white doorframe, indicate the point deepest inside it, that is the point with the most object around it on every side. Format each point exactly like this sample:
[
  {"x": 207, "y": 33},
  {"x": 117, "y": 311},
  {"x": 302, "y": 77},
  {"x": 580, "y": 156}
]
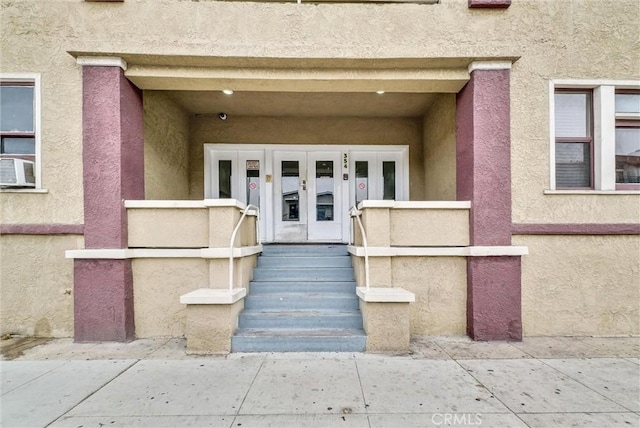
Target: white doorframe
[{"x": 345, "y": 185}]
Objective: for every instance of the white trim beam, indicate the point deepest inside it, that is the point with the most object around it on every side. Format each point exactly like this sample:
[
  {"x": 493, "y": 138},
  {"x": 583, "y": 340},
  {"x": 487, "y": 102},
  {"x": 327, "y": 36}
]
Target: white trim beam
[
  {"x": 102, "y": 61},
  {"x": 444, "y": 205},
  {"x": 489, "y": 65},
  {"x": 162, "y": 253},
  {"x": 475, "y": 251}
]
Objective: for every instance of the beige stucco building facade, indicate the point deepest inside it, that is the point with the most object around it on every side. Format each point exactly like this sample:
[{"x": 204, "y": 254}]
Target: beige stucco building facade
[{"x": 128, "y": 140}]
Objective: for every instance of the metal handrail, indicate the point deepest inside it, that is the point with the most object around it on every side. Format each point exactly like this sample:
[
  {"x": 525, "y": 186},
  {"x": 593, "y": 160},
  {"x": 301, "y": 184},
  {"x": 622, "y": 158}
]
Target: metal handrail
[
  {"x": 233, "y": 238},
  {"x": 354, "y": 212}
]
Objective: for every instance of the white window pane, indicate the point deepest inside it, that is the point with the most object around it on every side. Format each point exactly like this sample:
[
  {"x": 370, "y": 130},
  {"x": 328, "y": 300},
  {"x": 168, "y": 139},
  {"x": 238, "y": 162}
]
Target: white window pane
[
  {"x": 16, "y": 109},
  {"x": 628, "y": 155},
  {"x": 573, "y": 165},
  {"x": 572, "y": 114},
  {"x": 627, "y": 103},
  {"x": 18, "y": 146}
]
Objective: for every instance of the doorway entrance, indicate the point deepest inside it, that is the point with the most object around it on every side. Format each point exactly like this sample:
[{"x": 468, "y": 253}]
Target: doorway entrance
[{"x": 304, "y": 192}]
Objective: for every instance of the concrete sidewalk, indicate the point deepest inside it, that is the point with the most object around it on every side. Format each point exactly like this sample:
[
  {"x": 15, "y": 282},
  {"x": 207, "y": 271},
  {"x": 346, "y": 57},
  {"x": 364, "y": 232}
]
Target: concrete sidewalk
[{"x": 540, "y": 382}]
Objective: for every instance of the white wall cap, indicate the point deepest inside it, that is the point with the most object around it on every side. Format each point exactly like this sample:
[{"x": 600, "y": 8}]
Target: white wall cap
[
  {"x": 478, "y": 251},
  {"x": 164, "y": 204},
  {"x": 489, "y": 65},
  {"x": 162, "y": 253},
  {"x": 102, "y": 61},
  {"x": 223, "y": 253},
  {"x": 368, "y": 203},
  {"x": 213, "y": 296},
  {"x": 224, "y": 203},
  {"x": 385, "y": 295},
  {"x": 453, "y": 205}
]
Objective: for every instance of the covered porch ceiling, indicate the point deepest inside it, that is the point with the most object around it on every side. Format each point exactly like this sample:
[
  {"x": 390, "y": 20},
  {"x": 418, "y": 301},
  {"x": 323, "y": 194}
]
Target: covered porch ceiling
[
  {"x": 304, "y": 104},
  {"x": 301, "y": 87}
]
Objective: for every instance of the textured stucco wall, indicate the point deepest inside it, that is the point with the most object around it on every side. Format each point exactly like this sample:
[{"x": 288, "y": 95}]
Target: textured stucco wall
[
  {"x": 158, "y": 285},
  {"x": 386, "y": 325},
  {"x": 168, "y": 228},
  {"x": 440, "y": 286},
  {"x": 166, "y": 148},
  {"x": 36, "y": 295},
  {"x": 588, "y": 39},
  {"x": 439, "y": 130},
  {"x": 580, "y": 285},
  {"x": 321, "y": 130},
  {"x": 430, "y": 228}
]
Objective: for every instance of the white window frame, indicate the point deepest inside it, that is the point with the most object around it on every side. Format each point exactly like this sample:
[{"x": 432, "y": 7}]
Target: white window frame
[
  {"x": 36, "y": 79},
  {"x": 604, "y": 132}
]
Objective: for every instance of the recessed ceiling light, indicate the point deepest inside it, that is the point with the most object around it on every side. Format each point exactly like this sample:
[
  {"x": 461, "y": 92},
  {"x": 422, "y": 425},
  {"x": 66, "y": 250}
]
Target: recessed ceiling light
[
  {"x": 379, "y": 92},
  {"x": 227, "y": 91}
]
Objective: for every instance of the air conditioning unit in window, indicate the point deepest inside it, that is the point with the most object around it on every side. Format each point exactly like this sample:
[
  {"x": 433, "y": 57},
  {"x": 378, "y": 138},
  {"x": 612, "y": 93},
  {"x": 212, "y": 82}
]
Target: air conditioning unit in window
[{"x": 17, "y": 173}]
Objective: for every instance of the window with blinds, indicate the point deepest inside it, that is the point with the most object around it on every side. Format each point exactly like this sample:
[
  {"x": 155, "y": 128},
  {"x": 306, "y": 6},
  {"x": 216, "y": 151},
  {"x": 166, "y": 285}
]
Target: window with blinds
[
  {"x": 574, "y": 139},
  {"x": 627, "y": 104}
]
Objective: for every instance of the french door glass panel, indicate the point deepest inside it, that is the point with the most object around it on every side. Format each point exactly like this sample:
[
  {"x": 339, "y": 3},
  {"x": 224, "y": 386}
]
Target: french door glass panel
[
  {"x": 389, "y": 180},
  {"x": 290, "y": 183},
  {"x": 225, "y": 170},
  {"x": 252, "y": 182},
  {"x": 362, "y": 181},
  {"x": 324, "y": 190}
]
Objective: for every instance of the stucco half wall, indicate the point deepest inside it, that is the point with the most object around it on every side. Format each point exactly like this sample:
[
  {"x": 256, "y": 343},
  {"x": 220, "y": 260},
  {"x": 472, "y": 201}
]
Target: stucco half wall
[
  {"x": 440, "y": 288},
  {"x": 157, "y": 287},
  {"x": 580, "y": 285}
]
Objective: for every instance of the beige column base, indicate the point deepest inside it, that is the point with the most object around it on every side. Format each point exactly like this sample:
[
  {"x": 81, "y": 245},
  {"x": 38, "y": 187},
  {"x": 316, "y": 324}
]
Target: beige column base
[
  {"x": 385, "y": 314},
  {"x": 212, "y": 318}
]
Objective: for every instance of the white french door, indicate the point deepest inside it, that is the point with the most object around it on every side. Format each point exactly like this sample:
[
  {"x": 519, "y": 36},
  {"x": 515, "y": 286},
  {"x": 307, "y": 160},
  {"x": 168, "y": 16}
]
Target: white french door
[
  {"x": 304, "y": 192},
  {"x": 325, "y": 196},
  {"x": 290, "y": 202},
  {"x": 307, "y": 196}
]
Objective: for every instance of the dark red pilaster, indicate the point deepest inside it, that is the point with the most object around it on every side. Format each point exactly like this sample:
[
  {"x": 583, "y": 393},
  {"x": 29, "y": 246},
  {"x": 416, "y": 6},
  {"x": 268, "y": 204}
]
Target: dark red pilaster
[
  {"x": 113, "y": 159},
  {"x": 483, "y": 174}
]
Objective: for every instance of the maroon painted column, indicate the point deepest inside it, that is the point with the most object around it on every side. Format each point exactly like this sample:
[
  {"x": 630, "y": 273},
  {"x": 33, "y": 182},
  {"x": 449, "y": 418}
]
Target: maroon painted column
[
  {"x": 483, "y": 174},
  {"x": 113, "y": 159}
]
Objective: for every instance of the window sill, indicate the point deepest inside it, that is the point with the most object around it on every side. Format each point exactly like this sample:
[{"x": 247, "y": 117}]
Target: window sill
[
  {"x": 591, "y": 192},
  {"x": 9, "y": 190}
]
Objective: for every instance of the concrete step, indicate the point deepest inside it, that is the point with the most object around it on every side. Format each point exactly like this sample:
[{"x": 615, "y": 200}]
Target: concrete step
[
  {"x": 299, "y": 340},
  {"x": 308, "y": 319},
  {"x": 304, "y": 250},
  {"x": 262, "y": 287},
  {"x": 311, "y": 261},
  {"x": 301, "y": 301},
  {"x": 303, "y": 274}
]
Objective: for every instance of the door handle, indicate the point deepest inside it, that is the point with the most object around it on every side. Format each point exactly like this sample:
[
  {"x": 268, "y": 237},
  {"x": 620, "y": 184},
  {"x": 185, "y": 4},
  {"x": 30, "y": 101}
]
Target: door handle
[{"x": 304, "y": 184}]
